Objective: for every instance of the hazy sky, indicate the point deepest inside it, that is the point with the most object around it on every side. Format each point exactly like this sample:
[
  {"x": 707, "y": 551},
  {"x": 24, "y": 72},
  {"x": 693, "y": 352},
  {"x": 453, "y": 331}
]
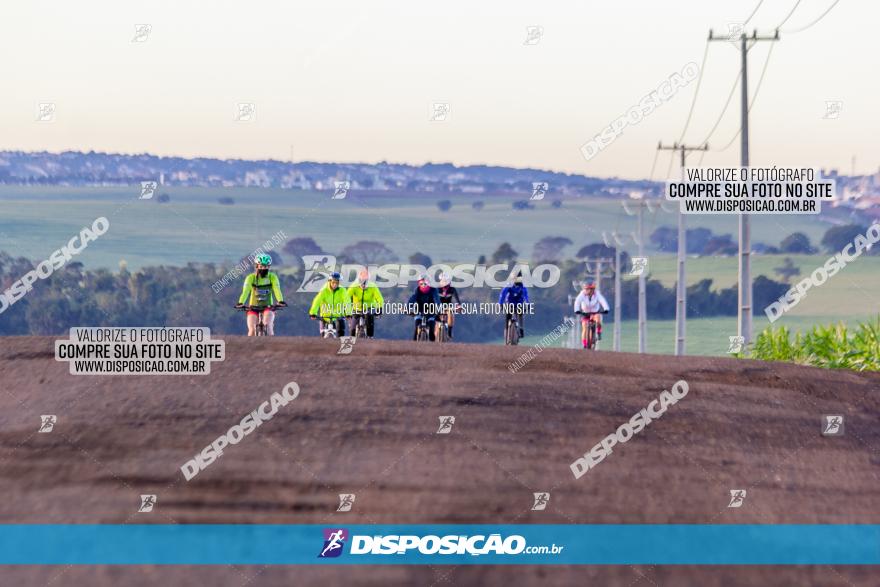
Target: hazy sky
[{"x": 355, "y": 81}]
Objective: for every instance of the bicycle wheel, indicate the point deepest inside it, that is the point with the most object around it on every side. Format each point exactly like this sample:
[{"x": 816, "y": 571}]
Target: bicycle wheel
[
  {"x": 591, "y": 336},
  {"x": 442, "y": 334},
  {"x": 512, "y": 337},
  {"x": 422, "y": 336}
]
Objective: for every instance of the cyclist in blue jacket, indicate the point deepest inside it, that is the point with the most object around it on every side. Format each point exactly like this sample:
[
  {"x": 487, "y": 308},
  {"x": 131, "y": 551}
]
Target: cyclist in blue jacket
[{"x": 513, "y": 299}]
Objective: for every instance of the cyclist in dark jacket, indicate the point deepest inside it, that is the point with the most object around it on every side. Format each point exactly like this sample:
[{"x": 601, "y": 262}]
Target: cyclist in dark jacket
[
  {"x": 424, "y": 303},
  {"x": 449, "y": 301}
]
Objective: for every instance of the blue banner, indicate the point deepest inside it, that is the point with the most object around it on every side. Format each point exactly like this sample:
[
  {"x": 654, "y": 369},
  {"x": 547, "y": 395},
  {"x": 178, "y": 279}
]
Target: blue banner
[{"x": 612, "y": 544}]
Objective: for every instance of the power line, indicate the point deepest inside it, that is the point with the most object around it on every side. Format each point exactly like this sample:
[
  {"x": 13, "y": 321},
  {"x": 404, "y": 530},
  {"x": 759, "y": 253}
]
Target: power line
[
  {"x": 767, "y": 62},
  {"x": 821, "y": 16},
  {"x": 723, "y": 110},
  {"x": 732, "y": 89},
  {"x": 744, "y": 293},
  {"x": 653, "y": 165},
  {"x": 735, "y": 84},
  {"x": 761, "y": 79},
  {"x": 681, "y": 282},
  {"x": 671, "y": 161},
  {"x": 754, "y": 97},
  {"x": 753, "y": 12},
  {"x": 696, "y": 92},
  {"x": 785, "y": 20}
]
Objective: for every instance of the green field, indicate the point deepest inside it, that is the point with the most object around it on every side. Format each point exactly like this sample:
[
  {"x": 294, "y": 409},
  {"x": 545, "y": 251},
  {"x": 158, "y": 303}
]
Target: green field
[
  {"x": 852, "y": 294},
  {"x": 705, "y": 336},
  {"x": 34, "y": 221}
]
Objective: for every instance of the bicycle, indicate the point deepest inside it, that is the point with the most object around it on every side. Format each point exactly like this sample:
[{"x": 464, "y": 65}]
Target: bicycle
[
  {"x": 592, "y": 328},
  {"x": 423, "y": 333},
  {"x": 511, "y": 331},
  {"x": 328, "y": 328},
  {"x": 442, "y": 328},
  {"x": 261, "y": 326},
  {"x": 359, "y": 322}
]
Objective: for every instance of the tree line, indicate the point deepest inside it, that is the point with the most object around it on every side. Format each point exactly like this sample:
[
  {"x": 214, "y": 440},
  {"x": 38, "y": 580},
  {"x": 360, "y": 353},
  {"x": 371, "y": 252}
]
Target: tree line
[
  {"x": 702, "y": 241},
  {"x": 74, "y": 296}
]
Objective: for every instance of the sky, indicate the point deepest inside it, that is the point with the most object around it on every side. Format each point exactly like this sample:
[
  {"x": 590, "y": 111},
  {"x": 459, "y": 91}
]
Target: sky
[{"x": 357, "y": 82}]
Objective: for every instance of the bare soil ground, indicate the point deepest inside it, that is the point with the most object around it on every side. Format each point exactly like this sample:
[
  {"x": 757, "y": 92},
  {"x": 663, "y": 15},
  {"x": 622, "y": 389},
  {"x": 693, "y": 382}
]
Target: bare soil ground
[{"x": 366, "y": 423}]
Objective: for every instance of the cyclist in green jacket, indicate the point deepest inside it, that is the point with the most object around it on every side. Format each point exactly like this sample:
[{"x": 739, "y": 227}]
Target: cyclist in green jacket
[
  {"x": 366, "y": 298},
  {"x": 332, "y": 304},
  {"x": 262, "y": 292}
]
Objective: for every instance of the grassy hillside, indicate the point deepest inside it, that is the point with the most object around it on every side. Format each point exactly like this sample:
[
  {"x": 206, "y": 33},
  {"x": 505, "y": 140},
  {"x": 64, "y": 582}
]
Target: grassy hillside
[
  {"x": 34, "y": 221},
  {"x": 851, "y": 294},
  {"x": 705, "y": 336}
]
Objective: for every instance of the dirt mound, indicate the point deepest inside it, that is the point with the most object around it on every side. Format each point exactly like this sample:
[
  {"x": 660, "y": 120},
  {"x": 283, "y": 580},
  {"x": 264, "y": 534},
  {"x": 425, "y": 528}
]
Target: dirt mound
[{"x": 366, "y": 423}]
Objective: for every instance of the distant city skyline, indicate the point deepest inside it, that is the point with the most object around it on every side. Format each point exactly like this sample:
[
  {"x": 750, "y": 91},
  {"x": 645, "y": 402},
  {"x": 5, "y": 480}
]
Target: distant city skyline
[{"x": 505, "y": 84}]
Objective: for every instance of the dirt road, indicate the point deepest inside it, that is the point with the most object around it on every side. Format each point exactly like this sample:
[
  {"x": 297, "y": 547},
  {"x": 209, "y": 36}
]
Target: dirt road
[{"x": 366, "y": 423}]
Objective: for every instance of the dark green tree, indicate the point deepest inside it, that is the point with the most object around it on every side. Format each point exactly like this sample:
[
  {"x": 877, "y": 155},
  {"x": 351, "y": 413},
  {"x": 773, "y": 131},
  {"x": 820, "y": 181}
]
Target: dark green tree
[
  {"x": 837, "y": 237},
  {"x": 420, "y": 259},
  {"x": 550, "y": 248},
  {"x": 504, "y": 254},
  {"x": 797, "y": 243},
  {"x": 787, "y": 270}
]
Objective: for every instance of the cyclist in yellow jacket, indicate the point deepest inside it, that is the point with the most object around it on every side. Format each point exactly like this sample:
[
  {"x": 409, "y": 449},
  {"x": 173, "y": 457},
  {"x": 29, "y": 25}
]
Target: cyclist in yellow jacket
[
  {"x": 332, "y": 304},
  {"x": 262, "y": 293},
  {"x": 367, "y": 299}
]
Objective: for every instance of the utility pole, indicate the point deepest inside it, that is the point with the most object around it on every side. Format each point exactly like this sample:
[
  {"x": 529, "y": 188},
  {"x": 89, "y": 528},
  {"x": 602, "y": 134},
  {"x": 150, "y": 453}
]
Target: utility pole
[
  {"x": 640, "y": 242},
  {"x": 593, "y": 268},
  {"x": 598, "y": 272},
  {"x": 681, "y": 286},
  {"x": 597, "y": 277},
  {"x": 574, "y": 332},
  {"x": 616, "y": 343},
  {"x": 618, "y": 242},
  {"x": 744, "y": 321},
  {"x": 643, "y": 306}
]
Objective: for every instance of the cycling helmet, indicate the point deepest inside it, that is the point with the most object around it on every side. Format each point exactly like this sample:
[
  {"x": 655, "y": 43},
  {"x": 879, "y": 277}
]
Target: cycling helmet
[
  {"x": 589, "y": 282},
  {"x": 423, "y": 278},
  {"x": 335, "y": 276},
  {"x": 518, "y": 278},
  {"x": 444, "y": 279},
  {"x": 364, "y": 275},
  {"x": 263, "y": 260}
]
